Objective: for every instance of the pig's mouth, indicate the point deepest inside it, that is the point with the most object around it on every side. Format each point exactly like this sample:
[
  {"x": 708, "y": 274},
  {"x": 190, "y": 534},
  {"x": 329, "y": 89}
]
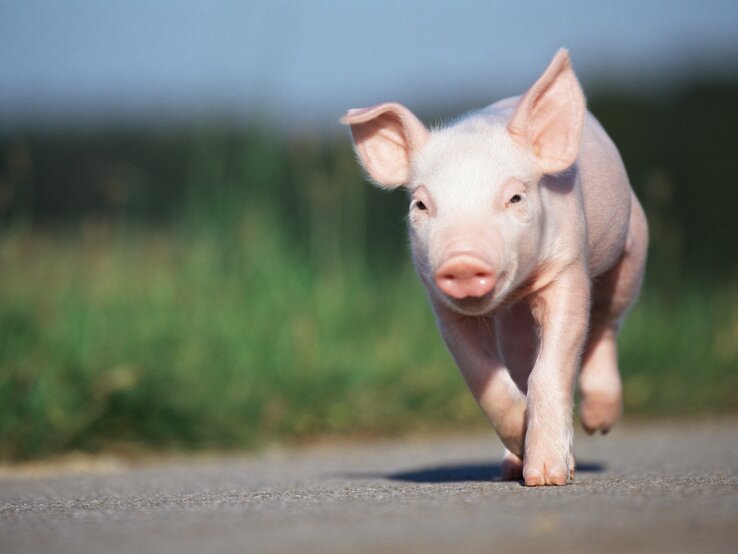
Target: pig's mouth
[{"x": 472, "y": 305}]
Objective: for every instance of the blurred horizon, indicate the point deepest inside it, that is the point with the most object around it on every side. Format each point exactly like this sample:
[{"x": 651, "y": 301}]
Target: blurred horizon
[
  {"x": 190, "y": 257},
  {"x": 300, "y": 64}
]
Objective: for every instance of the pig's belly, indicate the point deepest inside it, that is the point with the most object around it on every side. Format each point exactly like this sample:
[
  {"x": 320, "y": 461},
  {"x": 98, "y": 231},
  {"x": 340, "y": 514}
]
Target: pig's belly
[{"x": 605, "y": 253}]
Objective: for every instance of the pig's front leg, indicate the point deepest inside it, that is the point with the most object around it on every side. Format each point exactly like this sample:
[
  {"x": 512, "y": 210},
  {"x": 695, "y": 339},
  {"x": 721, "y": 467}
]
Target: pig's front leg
[
  {"x": 472, "y": 343},
  {"x": 562, "y": 312}
]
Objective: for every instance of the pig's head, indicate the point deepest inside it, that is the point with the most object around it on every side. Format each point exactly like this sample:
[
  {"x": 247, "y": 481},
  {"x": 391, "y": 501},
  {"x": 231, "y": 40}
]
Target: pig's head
[{"x": 477, "y": 223}]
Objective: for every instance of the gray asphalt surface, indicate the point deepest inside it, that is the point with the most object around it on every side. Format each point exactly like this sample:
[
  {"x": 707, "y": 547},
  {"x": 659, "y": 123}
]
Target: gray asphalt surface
[{"x": 669, "y": 487}]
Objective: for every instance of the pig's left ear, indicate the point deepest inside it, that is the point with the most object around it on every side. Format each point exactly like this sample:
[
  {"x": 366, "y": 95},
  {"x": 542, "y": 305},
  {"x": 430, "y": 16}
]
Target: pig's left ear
[
  {"x": 385, "y": 138},
  {"x": 550, "y": 116}
]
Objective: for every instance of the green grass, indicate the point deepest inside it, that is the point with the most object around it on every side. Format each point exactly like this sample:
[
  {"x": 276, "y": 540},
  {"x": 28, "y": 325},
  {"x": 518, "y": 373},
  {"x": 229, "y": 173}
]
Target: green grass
[
  {"x": 241, "y": 286},
  {"x": 679, "y": 349},
  {"x": 174, "y": 340},
  {"x": 193, "y": 338}
]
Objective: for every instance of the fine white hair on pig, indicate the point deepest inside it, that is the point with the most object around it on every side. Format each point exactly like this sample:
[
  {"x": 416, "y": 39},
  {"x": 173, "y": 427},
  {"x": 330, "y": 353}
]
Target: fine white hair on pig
[{"x": 526, "y": 233}]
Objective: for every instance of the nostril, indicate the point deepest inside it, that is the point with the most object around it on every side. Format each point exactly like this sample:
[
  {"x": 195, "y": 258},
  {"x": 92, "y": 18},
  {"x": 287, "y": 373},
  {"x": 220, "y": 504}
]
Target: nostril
[{"x": 465, "y": 276}]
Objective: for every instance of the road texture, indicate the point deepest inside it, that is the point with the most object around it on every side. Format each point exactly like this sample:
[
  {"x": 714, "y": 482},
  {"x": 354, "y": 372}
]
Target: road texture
[{"x": 667, "y": 487}]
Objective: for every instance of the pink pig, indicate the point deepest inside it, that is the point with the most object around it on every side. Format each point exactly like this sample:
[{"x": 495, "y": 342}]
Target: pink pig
[{"x": 531, "y": 244}]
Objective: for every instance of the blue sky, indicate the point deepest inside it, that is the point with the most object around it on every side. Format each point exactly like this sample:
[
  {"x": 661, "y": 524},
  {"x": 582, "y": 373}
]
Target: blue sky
[{"x": 304, "y": 62}]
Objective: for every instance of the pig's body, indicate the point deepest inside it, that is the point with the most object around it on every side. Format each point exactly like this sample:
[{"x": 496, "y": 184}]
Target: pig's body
[{"x": 527, "y": 235}]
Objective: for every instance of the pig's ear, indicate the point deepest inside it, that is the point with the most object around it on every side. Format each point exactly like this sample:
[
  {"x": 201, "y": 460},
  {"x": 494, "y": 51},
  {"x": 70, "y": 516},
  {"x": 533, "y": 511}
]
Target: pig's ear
[
  {"x": 550, "y": 116},
  {"x": 385, "y": 138}
]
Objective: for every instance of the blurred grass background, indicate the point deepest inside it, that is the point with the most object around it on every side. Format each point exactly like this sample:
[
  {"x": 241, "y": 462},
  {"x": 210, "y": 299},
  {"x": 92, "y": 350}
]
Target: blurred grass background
[{"x": 222, "y": 286}]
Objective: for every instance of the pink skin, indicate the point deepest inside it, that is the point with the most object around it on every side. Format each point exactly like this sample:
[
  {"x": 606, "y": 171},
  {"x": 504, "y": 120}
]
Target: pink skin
[
  {"x": 463, "y": 275},
  {"x": 531, "y": 244}
]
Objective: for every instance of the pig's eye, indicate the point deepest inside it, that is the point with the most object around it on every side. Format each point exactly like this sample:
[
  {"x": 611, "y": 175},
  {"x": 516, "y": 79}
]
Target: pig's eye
[
  {"x": 420, "y": 205},
  {"x": 515, "y": 199}
]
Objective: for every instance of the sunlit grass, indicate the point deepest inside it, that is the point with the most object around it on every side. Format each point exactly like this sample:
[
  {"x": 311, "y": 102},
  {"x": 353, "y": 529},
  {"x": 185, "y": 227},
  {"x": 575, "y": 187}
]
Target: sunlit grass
[
  {"x": 196, "y": 339},
  {"x": 172, "y": 341},
  {"x": 242, "y": 286},
  {"x": 679, "y": 349}
]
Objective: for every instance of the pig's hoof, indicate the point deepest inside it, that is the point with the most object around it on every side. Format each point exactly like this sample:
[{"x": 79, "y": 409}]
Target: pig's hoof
[
  {"x": 600, "y": 411},
  {"x": 539, "y": 478},
  {"x": 512, "y": 467},
  {"x": 549, "y": 472}
]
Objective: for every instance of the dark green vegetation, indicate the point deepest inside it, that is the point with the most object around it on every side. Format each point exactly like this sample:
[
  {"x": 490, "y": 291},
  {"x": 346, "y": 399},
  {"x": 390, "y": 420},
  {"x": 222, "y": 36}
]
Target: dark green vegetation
[{"x": 217, "y": 287}]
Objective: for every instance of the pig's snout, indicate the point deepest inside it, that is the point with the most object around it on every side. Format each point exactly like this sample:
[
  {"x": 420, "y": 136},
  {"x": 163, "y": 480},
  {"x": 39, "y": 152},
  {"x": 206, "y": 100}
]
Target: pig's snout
[{"x": 463, "y": 276}]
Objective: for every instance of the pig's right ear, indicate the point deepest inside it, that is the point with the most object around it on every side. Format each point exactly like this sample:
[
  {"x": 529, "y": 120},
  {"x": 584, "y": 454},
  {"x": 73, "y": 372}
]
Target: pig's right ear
[{"x": 385, "y": 138}]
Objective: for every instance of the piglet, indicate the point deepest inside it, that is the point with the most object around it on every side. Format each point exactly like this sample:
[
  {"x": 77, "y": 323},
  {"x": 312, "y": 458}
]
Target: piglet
[{"x": 531, "y": 244}]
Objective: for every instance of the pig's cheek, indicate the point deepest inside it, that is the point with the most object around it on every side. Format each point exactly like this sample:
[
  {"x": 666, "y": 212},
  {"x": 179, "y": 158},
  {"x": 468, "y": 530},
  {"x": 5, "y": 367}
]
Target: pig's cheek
[
  {"x": 419, "y": 247},
  {"x": 522, "y": 214},
  {"x": 419, "y": 237}
]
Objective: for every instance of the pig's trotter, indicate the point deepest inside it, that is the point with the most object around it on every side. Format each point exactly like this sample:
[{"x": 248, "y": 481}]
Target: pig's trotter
[
  {"x": 548, "y": 457},
  {"x": 599, "y": 383},
  {"x": 512, "y": 467},
  {"x": 600, "y": 411}
]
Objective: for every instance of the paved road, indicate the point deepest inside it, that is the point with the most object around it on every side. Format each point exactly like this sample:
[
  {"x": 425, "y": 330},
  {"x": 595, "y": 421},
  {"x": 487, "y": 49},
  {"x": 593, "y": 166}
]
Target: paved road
[{"x": 644, "y": 488}]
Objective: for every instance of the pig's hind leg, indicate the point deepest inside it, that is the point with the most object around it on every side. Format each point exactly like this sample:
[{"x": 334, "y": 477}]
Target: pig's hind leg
[
  {"x": 518, "y": 343},
  {"x": 472, "y": 342},
  {"x": 613, "y": 294},
  {"x": 512, "y": 467}
]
